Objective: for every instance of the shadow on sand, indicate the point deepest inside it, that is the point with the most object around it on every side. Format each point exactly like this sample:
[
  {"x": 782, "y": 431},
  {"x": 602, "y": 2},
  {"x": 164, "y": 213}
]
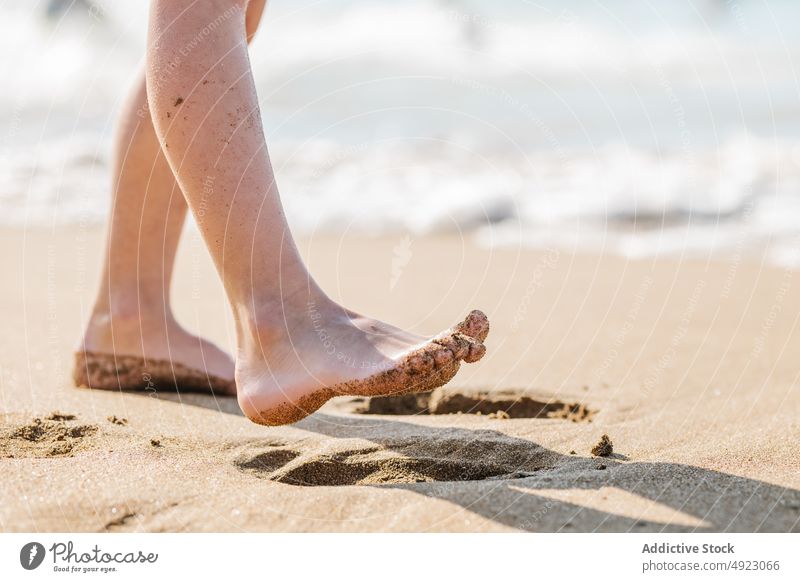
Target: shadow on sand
[{"x": 526, "y": 486}]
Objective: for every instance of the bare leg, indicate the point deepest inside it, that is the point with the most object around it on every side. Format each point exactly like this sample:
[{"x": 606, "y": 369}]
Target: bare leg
[
  {"x": 132, "y": 319},
  {"x": 296, "y": 347}
]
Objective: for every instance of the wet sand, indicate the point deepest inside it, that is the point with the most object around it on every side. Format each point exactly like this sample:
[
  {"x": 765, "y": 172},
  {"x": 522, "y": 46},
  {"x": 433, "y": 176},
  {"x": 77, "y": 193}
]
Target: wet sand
[{"x": 689, "y": 367}]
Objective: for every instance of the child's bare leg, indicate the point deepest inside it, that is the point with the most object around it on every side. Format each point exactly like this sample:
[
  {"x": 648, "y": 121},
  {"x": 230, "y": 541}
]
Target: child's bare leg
[
  {"x": 296, "y": 347},
  {"x": 132, "y": 316}
]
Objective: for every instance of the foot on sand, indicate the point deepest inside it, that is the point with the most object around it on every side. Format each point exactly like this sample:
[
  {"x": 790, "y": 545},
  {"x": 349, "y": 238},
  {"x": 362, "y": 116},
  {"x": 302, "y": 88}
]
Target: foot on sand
[
  {"x": 285, "y": 375},
  {"x": 134, "y": 353}
]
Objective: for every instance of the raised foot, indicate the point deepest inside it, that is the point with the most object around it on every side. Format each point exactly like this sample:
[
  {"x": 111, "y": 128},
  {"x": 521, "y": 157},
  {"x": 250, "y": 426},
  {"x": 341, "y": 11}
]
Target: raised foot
[{"x": 273, "y": 395}]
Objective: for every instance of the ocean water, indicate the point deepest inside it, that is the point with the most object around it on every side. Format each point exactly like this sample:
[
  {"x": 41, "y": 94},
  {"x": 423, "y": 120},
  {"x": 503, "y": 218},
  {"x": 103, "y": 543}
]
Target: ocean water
[{"x": 667, "y": 127}]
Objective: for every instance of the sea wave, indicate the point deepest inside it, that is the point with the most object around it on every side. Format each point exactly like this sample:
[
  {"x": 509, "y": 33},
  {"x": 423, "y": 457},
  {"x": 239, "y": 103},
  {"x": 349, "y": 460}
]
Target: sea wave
[{"x": 639, "y": 202}]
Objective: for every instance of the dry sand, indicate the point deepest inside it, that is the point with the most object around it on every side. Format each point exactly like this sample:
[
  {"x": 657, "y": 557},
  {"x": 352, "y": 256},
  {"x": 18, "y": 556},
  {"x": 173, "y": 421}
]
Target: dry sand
[{"x": 690, "y": 367}]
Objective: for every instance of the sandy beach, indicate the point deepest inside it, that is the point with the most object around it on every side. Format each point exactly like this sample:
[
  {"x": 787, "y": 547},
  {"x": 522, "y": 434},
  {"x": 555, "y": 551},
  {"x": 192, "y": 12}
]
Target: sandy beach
[{"x": 690, "y": 367}]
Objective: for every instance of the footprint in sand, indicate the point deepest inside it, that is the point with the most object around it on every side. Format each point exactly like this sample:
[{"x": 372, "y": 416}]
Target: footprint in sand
[
  {"x": 403, "y": 460},
  {"x": 449, "y": 400},
  {"x": 52, "y": 436}
]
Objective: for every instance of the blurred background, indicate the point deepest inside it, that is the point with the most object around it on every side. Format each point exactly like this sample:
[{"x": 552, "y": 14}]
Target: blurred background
[{"x": 666, "y": 127}]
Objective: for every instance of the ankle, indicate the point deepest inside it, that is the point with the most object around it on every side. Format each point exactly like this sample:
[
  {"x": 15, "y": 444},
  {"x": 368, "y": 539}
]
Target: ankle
[
  {"x": 276, "y": 322},
  {"x": 129, "y": 317}
]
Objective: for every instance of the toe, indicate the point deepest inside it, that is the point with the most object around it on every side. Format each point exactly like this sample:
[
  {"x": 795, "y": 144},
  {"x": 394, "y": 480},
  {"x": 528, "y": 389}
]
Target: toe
[
  {"x": 442, "y": 375},
  {"x": 456, "y": 343},
  {"x": 414, "y": 363},
  {"x": 475, "y": 325},
  {"x": 442, "y": 357},
  {"x": 421, "y": 363},
  {"x": 476, "y": 352}
]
